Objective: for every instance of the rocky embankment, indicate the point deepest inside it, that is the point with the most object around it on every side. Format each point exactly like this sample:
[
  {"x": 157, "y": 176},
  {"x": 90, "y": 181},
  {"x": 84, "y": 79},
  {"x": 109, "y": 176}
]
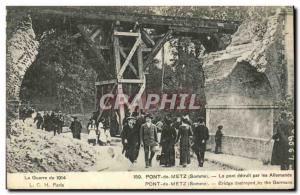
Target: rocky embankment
[{"x": 33, "y": 150}]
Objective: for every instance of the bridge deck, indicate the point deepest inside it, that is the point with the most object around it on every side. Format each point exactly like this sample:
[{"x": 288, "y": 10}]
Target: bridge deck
[{"x": 183, "y": 24}]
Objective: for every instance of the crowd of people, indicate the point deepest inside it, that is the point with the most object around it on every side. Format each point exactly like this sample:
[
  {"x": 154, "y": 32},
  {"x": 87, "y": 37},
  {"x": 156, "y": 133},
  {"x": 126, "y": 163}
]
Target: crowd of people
[
  {"x": 140, "y": 131},
  {"x": 25, "y": 112},
  {"x": 98, "y": 133},
  {"x": 50, "y": 121}
]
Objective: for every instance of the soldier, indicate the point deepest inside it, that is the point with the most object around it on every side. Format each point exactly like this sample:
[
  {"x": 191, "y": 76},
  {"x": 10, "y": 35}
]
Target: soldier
[
  {"x": 76, "y": 128},
  {"x": 148, "y": 139},
  {"x": 218, "y": 140},
  {"x": 200, "y": 138},
  {"x": 167, "y": 142},
  {"x": 184, "y": 133}
]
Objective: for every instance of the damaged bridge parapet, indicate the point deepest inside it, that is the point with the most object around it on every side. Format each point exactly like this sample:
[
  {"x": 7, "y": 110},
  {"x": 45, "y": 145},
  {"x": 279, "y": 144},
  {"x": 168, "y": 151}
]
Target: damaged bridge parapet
[{"x": 244, "y": 81}]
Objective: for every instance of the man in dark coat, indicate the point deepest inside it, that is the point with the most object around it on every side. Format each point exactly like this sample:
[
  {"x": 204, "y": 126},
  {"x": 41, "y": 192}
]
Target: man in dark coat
[
  {"x": 131, "y": 140},
  {"x": 167, "y": 142},
  {"x": 140, "y": 120},
  {"x": 60, "y": 122},
  {"x": 46, "y": 121},
  {"x": 280, "y": 153},
  {"x": 148, "y": 139},
  {"x": 76, "y": 128},
  {"x": 218, "y": 140},
  {"x": 39, "y": 120},
  {"x": 55, "y": 123},
  {"x": 201, "y": 135},
  {"x": 52, "y": 123}
]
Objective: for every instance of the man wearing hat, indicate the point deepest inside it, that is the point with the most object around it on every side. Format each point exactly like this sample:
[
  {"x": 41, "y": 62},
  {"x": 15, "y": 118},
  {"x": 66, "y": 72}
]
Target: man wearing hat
[
  {"x": 200, "y": 138},
  {"x": 148, "y": 136},
  {"x": 76, "y": 128},
  {"x": 131, "y": 140},
  {"x": 218, "y": 140},
  {"x": 60, "y": 121}
]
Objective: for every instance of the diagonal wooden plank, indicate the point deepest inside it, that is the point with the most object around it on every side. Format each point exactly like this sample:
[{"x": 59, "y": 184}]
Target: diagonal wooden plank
[
  {"x": 95, "y": 34},
  {"x": 157, "y": 47},
  {"x": 96, "y": 50},
  {"x": 147, "y": 38},
  {"x": 125, "y": 64},
  {"x": 138, "y": 95},
  {"x": 130, "y": 64}
]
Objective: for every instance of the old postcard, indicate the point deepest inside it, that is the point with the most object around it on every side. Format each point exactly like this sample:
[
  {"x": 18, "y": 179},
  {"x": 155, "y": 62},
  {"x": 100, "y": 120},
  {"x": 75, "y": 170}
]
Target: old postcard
[{"x": 123, "y": 98}]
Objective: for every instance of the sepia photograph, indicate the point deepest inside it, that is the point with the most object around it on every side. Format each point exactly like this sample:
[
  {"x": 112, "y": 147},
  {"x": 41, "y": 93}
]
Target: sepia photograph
[{"x": 150, "y": 97}]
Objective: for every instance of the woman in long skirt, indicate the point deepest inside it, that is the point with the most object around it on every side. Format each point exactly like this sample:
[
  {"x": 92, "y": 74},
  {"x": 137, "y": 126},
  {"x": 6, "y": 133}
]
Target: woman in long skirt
[
  {"x": 184, "y": 133},
  {"x": 167, "y": 142}
]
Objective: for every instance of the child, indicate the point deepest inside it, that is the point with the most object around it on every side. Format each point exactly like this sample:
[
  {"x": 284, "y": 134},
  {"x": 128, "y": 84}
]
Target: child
[
  {"x": 102, "y": 136},
  {"x": 92, "y": 129}
]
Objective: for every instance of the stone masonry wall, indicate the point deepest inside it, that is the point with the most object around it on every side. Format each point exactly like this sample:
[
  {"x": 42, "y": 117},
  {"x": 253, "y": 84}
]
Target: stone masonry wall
[
  {"x": 21, "y": 51},
  {"x": 243, "y": 82}
]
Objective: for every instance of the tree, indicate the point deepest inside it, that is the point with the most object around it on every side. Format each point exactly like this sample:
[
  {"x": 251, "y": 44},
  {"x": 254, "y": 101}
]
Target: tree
[{"x": 60, "y": 71}]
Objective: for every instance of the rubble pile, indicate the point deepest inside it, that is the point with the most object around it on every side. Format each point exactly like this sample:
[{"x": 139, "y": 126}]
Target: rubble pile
[
  {"x": 33, "y": 150},
  {"x": 257, "y": 42}
]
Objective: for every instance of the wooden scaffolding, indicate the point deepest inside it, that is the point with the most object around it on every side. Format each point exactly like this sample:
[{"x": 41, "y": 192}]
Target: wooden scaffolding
[{"x": 125, "y": 47}]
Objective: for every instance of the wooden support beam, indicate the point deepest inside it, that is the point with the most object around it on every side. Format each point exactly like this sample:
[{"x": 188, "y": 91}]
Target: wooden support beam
[
  {"x": 84, "y": 16},
  {"x": 133, "y": 81},
  {"x": 130, "y": 34},
  {"x": 121, "y": 109},
  {"x": 105, "y": 47},
  {"x": 139, "y": 94},
  {"x": 96, "y": 50},
  {"x": 141, "y": 76},
  {"x": 118, "y": 70},
  {"x": 140, "y": 63},
  {"x": 117, "y": 54},
  {"x": 95, "y": 34},
  {"x": 146, "y": 49},
  {"x": 131, "y": 66},
  {"x": 124, "y": 66},
  {"x": 91, "y": 43},
  {"x": 193, "y": 30},
  {"x": 147, "y": 38},
  {"x": 157, "y": 47},
  {"x": 106, "y": 82}
]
